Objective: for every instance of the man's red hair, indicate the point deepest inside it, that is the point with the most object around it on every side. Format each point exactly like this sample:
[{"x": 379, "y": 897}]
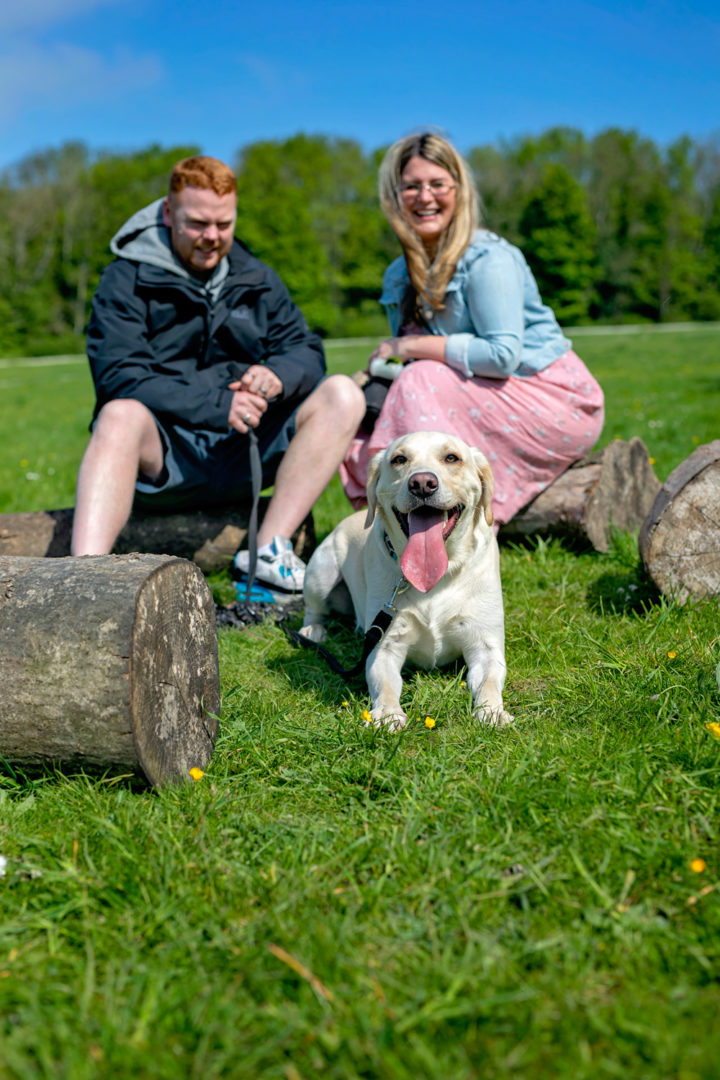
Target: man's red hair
[{"x": 203, "y": 172}]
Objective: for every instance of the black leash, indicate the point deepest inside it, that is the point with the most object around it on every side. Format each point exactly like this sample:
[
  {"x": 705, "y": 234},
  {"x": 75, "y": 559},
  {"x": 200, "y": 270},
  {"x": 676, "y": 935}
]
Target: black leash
[
  {"x": 373, "y": 636},
  {"x": 256, "y": 481},
  {"x": 248, "y": 611}
]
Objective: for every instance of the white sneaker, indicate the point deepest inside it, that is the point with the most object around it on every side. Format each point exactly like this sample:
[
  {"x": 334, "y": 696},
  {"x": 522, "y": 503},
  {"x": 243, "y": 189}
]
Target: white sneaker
[{"x": 280, "y": 569}]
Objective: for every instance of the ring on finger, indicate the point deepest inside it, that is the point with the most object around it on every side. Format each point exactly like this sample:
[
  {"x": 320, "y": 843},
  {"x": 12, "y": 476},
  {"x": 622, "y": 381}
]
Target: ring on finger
[{"x": 247, "y": 418}]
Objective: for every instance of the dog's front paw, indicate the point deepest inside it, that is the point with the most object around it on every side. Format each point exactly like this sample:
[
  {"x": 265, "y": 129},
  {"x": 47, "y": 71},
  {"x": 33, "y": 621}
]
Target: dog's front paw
[
  {"x": 494, "y": 717},
  {"x": 314, "y": 632},
  {"x": 395, "y": 721}
]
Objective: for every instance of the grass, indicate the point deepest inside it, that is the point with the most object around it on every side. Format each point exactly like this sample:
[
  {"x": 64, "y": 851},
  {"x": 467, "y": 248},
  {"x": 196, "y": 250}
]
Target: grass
[{"x": 451, "y": 902}]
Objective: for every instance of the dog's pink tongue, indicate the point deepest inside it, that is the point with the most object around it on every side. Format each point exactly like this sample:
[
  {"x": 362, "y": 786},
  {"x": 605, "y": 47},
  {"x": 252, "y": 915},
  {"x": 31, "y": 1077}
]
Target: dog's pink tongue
[{"x": 424, "y": 559}]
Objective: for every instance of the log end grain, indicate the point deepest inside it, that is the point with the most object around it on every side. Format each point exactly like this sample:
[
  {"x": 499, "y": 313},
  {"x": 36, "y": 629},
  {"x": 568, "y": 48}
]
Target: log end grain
[
  {"x": 680, "y": 539},
  {"x": 174, "y": 676}
]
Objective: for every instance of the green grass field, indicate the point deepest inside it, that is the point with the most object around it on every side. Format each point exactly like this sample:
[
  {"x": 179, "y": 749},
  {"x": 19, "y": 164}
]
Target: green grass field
[{"x": 335, "y": 901}]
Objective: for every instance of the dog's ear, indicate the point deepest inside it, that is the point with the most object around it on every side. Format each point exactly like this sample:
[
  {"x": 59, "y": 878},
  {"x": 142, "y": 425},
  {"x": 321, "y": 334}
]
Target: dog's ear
[
  {"x": 488, "y": 485},
  {"x": 372, "y": 483}
]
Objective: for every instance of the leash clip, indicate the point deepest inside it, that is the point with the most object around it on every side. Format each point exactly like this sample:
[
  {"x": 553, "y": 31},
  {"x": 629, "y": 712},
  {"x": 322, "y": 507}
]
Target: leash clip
[{"x": 390, "y": 606}]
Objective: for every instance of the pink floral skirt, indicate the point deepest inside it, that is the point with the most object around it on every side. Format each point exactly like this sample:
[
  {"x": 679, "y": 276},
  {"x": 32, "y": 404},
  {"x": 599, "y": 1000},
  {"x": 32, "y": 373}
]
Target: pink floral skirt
[{"x": 530, "y": 428}]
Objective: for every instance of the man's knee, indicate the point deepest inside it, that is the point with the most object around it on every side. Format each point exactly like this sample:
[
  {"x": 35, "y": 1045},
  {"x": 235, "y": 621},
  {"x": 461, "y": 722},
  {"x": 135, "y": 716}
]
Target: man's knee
[
  {"x": 125, "y": 427},
  {"x": 124, "y": 415},
  {"x": 338, "y": 398}
]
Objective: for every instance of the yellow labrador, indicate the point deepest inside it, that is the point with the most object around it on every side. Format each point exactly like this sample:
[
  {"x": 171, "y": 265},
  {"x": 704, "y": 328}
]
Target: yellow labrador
[{"x": 429, "y": 524}]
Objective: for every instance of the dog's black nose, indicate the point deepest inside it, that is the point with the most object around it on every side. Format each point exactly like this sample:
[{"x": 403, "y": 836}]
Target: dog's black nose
[{"x": 423, "y": 484}]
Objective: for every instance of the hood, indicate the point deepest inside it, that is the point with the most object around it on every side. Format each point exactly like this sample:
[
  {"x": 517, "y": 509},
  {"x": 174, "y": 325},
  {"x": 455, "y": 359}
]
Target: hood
[{"x": 144, "y": 239}]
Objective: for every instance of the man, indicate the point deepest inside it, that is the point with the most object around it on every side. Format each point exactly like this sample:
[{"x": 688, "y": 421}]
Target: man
[{"x": 192, "y": 343}]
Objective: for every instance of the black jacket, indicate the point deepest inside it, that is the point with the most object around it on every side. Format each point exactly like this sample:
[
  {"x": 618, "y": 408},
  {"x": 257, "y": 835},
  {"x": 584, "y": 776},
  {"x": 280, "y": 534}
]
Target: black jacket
[{"x": 157, "y": 337}]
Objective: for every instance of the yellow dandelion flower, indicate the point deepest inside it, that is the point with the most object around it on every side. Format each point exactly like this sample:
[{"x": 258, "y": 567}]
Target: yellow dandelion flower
[
  {"x": 344, "y": 705},
  {"x": 697, "y": 865},
  {"x": 197, "y": 774},
  {"x": 429, "y": 722},
  {"x": 463, "y": 685},
  {"x": 714, "y": 728},
  {"x": 672, "y": 654},
  {"x": 366, "y": 717},
  {"x": 24, "y": 463},
  {"x": 651, "y": 460}
]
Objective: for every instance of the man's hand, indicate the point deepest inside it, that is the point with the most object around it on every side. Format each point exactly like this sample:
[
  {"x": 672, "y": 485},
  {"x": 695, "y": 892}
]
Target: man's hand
[
  {"x": 260, "y": 380},
  {"x": 246, "y": 409},
  {"x": 251, "y": 395}
]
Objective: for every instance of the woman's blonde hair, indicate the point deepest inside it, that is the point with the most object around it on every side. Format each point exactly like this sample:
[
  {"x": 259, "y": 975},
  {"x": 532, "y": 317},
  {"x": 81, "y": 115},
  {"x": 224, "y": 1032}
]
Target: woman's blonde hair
[{"x": 429, "y": 276}]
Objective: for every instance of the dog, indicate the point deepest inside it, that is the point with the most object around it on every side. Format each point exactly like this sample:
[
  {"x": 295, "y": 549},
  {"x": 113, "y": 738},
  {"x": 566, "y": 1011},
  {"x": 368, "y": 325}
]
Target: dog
[{"x": 428, "y": 527}]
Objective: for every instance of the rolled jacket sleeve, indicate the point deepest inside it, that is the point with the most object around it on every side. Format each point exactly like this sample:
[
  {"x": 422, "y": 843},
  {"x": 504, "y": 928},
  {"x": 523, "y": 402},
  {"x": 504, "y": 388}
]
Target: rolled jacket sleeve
[{"x": 494, "y": 296}]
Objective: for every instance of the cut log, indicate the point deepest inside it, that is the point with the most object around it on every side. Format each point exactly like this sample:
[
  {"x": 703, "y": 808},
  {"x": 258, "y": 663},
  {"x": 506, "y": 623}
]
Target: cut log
[
  {"x": 209, "y": 538},
  {"x": 613, "y": 488},
  {"x": 680, "y": 538},
  {"x": 109, "y": 661}
]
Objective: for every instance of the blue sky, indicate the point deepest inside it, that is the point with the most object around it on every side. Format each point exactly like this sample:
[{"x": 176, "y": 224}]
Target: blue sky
[{"x": 120, "y": 74}]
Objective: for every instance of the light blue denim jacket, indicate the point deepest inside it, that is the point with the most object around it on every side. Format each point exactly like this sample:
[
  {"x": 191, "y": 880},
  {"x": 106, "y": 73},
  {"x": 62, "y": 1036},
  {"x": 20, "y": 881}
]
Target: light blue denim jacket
[{"x": 494, "y": 320}]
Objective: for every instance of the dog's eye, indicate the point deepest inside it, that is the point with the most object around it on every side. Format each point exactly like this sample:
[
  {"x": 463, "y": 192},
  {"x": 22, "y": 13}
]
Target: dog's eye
[
  {"x": 452, "y": 458},
  {"x": 399, "y": 459}
]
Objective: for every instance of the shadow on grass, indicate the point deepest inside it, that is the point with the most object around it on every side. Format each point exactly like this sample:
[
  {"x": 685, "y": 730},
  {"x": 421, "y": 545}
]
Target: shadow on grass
[
  {"x": 309, "y": 668},
  {"x": 18, "y": 781},
  {"x": 625, "y": 588},
  {"x": 629, "y": 593}
]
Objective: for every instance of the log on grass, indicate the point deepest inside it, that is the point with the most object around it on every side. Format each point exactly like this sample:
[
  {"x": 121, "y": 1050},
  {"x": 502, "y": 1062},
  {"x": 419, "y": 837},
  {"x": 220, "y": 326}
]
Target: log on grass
[
  {"x": 210, "y": 538},
  {"x": 613, "y": 488},
  {"x": 680, "y": 538},
  {"x": 108, "y": 661}
]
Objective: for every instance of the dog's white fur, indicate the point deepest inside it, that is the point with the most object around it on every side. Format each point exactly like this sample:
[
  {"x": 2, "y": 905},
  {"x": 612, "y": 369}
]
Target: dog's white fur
[{"x": 462, "y": 615}]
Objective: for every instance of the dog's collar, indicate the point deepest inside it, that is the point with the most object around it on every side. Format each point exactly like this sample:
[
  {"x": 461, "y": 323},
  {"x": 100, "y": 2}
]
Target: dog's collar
[{"x": 389, "y": 548}]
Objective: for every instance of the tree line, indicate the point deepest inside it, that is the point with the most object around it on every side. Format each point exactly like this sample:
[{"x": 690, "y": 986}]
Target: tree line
[{"x": 615, "y": 228}]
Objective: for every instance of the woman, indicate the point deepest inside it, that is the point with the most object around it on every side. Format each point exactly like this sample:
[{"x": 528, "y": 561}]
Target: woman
[{"x": 490, "y": 361}]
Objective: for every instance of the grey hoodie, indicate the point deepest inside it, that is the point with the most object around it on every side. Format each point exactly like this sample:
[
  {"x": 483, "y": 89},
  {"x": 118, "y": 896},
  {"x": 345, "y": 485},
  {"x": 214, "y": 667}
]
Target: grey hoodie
[{"x": 144, "y": 238}]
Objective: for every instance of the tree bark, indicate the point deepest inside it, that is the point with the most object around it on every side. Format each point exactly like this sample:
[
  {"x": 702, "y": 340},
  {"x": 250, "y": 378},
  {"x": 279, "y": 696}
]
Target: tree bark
[
  {"x": 680, "y": 538},
  {"x": 613, "y": 488},
  {"x": 209, "y": 538},
  {"x": 108, "y": 661}
]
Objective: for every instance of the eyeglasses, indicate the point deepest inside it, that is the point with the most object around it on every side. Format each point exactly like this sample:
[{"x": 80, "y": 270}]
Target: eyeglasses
[{"x": 435, "y": 187}]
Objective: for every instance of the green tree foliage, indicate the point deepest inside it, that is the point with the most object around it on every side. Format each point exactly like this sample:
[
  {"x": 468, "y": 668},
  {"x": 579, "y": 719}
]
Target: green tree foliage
[
  {"x": 616, "y": 228},
  {"x": 560, "y": 243},
  {"x": 308, "y": 207}
]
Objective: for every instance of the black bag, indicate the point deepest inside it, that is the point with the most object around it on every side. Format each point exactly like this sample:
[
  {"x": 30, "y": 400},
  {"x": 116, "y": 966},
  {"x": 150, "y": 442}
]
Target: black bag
[{"x": 375, "y": 391}]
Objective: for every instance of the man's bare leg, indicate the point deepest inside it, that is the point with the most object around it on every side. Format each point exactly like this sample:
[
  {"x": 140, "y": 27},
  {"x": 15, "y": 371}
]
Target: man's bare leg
[
  {"x": 125, "y": 441},
  {"x": 326, "y": 423}
]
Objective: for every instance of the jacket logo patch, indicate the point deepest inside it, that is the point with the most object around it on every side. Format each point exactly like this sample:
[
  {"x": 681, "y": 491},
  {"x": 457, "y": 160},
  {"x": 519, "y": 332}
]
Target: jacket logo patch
[{"x": 240, "y": 313}]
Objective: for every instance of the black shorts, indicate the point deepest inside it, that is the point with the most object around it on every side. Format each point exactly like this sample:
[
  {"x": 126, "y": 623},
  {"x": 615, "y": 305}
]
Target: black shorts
[{"x": 205, "y": 468}]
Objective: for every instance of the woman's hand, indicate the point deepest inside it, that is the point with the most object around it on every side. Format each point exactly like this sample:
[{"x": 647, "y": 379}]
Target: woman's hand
[
  {"x": 386, "y": 350},
  {"x": 412, "y": 347}
]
